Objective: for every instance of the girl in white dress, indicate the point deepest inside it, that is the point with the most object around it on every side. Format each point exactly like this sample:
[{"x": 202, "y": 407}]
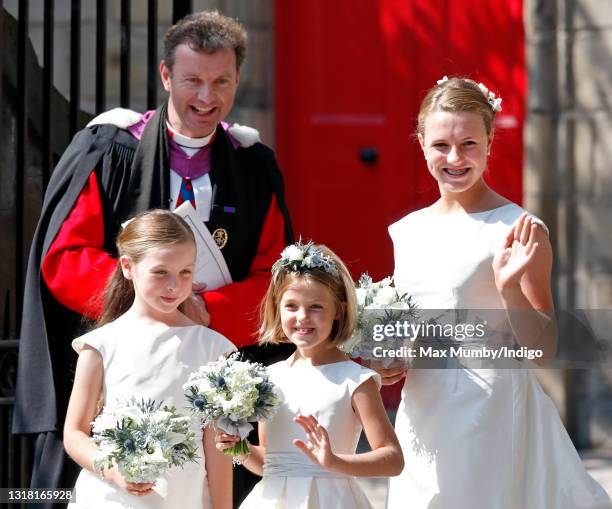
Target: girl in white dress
[
  {"x": 307, "y": 451},
  {"x": 479, "y": 438},
  {"x": 146, "y": 347}
]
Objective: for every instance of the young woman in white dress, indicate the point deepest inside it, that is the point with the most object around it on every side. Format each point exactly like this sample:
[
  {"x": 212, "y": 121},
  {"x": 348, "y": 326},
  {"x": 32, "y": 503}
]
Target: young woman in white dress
[
  {"x": 479, "y": 438},
  {"x": 307, "y": 450},
  {"x": 145, "y": 347}
]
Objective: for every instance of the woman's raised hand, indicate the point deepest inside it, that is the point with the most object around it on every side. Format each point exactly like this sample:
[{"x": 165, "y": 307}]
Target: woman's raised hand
[
  {"x": 513, "y": 259},
  {"x": 318, "y": 448}
]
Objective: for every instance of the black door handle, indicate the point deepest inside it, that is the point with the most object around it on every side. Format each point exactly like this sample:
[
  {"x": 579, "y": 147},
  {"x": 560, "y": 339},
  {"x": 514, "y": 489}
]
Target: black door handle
[{"x": 368, "y": 155}]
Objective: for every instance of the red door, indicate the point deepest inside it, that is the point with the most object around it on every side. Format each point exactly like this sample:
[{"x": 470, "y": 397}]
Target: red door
[
  {"x": 350, "y": 75},
  {"x": 349, "y": 78}
]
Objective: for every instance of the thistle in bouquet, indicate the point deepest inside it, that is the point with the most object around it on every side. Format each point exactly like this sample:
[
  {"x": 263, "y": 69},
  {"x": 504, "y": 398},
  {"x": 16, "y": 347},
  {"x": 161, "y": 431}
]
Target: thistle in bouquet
[
  {"x": 378, "y": 303},
  {"x": 143, "y": 439},
  {"x": 229, "y": 394}
]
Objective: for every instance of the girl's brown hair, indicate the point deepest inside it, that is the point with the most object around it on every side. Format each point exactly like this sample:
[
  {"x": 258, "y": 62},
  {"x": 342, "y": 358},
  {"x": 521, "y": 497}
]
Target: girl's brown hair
[
  {"x": 456, "y": 95},
  {"x": 341, "y": 287},
  {"x": 148, "y": 230}
]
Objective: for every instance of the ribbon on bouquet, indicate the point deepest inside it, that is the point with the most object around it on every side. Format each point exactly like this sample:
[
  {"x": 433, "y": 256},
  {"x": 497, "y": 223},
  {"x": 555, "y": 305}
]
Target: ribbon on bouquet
[{"x": 241, "y": 428}]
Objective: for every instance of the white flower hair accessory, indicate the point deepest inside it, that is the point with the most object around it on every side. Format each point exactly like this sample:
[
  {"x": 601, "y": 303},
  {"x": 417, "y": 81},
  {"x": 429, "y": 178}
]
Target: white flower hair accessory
[
  {"x": 494, "y": 102},
  {"x": 301, "y": 258},
  {"x": 126, "y": 222}
]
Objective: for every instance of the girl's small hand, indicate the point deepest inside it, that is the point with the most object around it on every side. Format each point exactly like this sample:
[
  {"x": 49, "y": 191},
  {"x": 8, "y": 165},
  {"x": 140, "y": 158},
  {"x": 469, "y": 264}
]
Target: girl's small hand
[
  {"x": 318, "y": 448},
  {"x": 225, "y": 440},
  {"x": 133, "y": 488},
  {"x": 512, "y": 260}
]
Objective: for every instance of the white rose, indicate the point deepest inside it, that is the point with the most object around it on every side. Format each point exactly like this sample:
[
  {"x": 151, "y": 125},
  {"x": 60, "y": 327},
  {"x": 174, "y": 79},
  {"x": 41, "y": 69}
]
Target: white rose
[
  {"x": 130, "y": 411},
  {"x": 100, "y": 458},
  {"x": 385, "y": 297},
  {"x": 106, "y": 449},
  {"x": 159, "y": 416},
  {"x": 241, "y": 366},
  {"x": 293, "y": 253},
  {"x": 386, "y": 281},
  {"x": 361, "y": 296},
  {"x": 103, "y": 422}
]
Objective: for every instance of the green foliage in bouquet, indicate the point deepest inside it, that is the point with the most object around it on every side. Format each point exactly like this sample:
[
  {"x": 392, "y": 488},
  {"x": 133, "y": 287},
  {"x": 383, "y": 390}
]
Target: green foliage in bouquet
[
  {"x": 143, "y": 439},
  {"x": 378, "y": 303},
  {"x": 230, "y": 393}
]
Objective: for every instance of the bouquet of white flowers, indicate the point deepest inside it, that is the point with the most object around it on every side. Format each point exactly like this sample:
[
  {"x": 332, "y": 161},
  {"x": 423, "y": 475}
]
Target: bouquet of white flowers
[
  {"x": 231, "y": 393},
  {"x": 143, "y": 439},
  {"x": 378, "y": 304}
]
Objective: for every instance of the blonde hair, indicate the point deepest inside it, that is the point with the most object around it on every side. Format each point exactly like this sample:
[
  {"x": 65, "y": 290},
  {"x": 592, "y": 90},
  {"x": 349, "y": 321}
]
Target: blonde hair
[
  {"x": 341, "y": 287},
  {"x": 456, "y": 95},
  {"x": 148, "y": 230}
]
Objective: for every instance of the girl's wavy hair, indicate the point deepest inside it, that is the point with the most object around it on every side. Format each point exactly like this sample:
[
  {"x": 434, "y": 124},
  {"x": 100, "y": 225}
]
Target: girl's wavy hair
[
  {"x": 341, "y": 287},
  {"x": 456, "y": 95},
  {"x": 148, "y": 230}
]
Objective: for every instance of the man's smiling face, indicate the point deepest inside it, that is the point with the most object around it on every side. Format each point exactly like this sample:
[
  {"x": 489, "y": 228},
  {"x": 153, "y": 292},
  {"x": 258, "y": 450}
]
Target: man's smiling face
[{"x": 202, "y": 88}]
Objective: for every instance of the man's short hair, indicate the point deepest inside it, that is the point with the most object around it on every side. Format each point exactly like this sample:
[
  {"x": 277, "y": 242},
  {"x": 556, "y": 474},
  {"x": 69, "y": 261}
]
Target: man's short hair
[{"x": 207, "y": 31}]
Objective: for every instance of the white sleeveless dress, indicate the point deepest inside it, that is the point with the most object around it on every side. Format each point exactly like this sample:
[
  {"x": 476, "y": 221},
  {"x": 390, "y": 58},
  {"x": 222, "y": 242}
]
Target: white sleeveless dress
[
  {"x": 290, "y": 479},
  {"x": 475, "y": 438},
  {"x": 151, "y": 361}
]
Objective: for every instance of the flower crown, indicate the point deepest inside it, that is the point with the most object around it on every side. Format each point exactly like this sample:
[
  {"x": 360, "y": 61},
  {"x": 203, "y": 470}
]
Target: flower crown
[
  {"x": 300, "y": 258},
  {"x": 494, "y": 102}
]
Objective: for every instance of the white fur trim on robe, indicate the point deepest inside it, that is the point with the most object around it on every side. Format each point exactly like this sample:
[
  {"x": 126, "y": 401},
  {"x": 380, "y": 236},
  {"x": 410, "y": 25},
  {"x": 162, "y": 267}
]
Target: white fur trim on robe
[
  {"x": 121, "y": 117},
  {"x": 245, "y": 135}
]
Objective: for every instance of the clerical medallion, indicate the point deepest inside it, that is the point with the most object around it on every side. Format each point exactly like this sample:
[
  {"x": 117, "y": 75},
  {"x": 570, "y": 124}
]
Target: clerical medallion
[{"x": 220, "y": 237}]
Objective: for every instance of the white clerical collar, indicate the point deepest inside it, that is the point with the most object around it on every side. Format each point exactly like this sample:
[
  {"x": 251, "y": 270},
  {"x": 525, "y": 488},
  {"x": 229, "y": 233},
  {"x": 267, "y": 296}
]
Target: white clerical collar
[{"x": 186, "y": 141}]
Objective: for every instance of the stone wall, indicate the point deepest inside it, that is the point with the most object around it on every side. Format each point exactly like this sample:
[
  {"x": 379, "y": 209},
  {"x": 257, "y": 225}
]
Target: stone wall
[{"x": 568, "y": 183}]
